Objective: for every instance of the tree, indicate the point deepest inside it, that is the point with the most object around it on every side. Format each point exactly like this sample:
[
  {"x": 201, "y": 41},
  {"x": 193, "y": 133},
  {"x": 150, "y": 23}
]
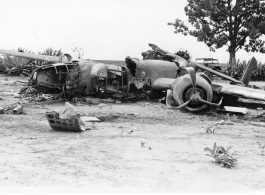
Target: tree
[
  {"x": 79, "y": 51},
  {"x": 235, "y": 23}
]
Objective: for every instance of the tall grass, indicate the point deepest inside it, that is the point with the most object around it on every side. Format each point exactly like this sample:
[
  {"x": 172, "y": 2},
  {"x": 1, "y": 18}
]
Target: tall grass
[{"x": 236, "y": 70}]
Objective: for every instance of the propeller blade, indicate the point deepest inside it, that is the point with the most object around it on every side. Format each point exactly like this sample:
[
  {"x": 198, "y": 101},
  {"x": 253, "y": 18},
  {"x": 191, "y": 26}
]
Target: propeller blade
[
  {"x": 192, "y": 73},
  {"x": 183, "y": 105},
  {"x": 209, "y": 103},
  {"x": 169, "y": 98}
]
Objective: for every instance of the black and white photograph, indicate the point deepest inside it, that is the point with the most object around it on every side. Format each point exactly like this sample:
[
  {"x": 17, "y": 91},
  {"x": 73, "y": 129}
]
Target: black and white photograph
[{"x": 132, "y": 96}]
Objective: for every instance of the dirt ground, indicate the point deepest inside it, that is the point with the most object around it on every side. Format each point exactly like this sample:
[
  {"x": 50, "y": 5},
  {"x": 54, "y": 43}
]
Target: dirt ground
[{"x": 110, "y": 156}]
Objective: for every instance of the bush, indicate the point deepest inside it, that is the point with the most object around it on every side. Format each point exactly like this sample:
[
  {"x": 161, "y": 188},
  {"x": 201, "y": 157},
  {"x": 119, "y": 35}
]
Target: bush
[{"x": 236, "y": 71}]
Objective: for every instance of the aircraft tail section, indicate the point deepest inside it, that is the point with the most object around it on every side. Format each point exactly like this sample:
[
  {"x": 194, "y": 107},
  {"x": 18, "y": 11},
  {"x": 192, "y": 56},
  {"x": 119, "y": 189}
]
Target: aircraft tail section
[{"x": 252, "y": 65}]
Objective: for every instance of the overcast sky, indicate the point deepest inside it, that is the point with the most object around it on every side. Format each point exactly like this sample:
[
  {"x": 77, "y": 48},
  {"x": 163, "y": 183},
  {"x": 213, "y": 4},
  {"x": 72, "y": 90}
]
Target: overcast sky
[{"x": 105, "y": 29}]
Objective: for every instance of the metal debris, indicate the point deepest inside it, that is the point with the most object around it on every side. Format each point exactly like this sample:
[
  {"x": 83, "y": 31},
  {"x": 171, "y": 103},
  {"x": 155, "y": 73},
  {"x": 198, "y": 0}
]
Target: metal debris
[
  {"x": 18, "y": 109},
  {"x": 89, "y": 119},
  {"x": 134, "y": 114},
  {"x": 236, "y": 110},
  {"x": 213, "y": 127},
  {"x": 69, "y": 120}
]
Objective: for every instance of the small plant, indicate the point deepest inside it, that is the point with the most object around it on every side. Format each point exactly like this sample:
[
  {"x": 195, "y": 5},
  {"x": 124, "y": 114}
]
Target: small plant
[{"x": 221, "y": 156}]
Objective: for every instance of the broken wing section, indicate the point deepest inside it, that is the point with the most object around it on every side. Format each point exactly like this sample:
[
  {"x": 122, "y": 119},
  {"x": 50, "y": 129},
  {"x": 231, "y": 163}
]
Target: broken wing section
[
  {"x": 51, "y": 59},
  {"x": 239, "y": 91}
]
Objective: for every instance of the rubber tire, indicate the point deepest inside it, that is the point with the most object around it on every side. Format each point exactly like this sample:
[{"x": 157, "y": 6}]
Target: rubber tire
[{"x": 183, "y": 82}]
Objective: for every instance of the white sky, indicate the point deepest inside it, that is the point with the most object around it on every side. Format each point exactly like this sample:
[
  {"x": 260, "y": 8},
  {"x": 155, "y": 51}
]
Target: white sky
[{"x": 105, "y": 29}]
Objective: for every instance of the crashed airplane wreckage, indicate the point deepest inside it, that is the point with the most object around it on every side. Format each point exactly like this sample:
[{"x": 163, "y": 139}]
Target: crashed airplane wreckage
[{"x": 186, "y": 83}]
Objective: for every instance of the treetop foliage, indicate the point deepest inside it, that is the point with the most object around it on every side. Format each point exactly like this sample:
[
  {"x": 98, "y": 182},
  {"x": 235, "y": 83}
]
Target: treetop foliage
[{"x": 235, "y": 23}]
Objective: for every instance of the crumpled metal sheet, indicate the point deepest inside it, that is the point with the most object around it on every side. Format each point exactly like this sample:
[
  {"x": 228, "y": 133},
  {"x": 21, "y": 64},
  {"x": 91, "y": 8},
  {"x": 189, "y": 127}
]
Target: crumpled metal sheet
[
  {"x": 68, "y": 121},
  {"x": 231, "y": 109}
]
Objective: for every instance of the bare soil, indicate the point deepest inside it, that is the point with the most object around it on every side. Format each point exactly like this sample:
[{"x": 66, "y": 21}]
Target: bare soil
[{"x": 141, "y": 146}]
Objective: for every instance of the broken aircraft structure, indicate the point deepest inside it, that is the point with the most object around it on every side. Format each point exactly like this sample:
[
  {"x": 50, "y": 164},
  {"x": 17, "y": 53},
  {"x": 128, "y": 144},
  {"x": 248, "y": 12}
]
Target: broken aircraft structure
[{"x": 186, "y": 83}]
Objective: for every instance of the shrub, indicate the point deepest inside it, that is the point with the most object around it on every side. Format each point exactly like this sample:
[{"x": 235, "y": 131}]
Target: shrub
[{"x": 236, "y": 71}]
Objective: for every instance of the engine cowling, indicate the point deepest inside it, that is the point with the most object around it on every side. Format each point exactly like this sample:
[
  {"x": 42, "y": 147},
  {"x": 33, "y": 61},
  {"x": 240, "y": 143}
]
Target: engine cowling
[{"x": 182, "y": 91}]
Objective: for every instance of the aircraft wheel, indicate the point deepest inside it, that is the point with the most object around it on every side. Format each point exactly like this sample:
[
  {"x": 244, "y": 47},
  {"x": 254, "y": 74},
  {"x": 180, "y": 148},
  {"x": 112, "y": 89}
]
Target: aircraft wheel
[{"x": 182, "y": 91}]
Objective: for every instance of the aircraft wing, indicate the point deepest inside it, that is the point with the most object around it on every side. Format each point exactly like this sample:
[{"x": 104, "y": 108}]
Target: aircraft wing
[
  {"x": 51, "y": 59},
  {"x": 239, "y": 91}
]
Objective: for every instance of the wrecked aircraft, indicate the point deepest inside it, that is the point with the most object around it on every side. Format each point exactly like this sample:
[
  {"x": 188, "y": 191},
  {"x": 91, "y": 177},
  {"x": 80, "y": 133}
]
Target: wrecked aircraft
[
  {"x": 186, "y": 83},
  {"x": 189, "y": 84},
  {"x": 72, "y": 77}
]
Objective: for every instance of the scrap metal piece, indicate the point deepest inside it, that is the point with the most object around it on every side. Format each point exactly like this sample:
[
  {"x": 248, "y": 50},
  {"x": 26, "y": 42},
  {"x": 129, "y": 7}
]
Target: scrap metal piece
[
  {"x": 235, "y": 110},
  {"x": 89, "y": 119},
  {"x": 69, "y": 120},
  {"x": 59, "y": 124},
  {"x": 18, "y": 109}
]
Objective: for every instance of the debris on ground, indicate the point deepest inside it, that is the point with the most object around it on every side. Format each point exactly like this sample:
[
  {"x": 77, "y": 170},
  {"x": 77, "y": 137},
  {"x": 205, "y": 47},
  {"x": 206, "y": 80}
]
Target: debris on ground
[
  {"x": 89, "y": 119},
  {"x": 18, "y": 109},
  {"x": 134, "y": 114},
  {"x": 92, "y": 100},
  {"x": 235, "y": 110},
  {"x": 214, "y": 126},
  {"x": 221, "y": 156},
  {"x": 69, "y": 120},
  {"x": 142, "y": 144},
  {"x": 15, "y": 108}
]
